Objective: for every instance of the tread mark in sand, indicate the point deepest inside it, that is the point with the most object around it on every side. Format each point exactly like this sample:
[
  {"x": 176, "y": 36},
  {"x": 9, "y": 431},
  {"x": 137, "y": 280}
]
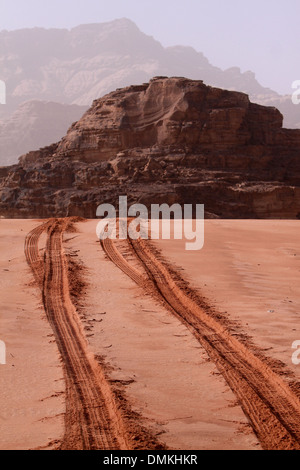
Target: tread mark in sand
[{"x": 269, "y": 403}]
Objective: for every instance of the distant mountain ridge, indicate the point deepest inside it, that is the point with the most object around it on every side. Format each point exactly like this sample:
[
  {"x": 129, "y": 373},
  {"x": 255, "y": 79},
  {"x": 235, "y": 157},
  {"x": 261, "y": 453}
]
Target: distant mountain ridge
[
  {"x": 74, "y": 67},
  {"x": 37, "y": 123}
]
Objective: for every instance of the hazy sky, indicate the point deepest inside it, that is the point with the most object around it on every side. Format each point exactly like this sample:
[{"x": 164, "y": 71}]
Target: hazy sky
[{"x": 258, "y": 35}]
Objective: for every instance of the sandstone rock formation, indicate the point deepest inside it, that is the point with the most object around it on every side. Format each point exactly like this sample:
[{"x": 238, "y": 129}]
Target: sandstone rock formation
[
  {"x": 77, "y": 66},
  {"x": 170, "y": 140},
  {"x": 33, "y": 125}
]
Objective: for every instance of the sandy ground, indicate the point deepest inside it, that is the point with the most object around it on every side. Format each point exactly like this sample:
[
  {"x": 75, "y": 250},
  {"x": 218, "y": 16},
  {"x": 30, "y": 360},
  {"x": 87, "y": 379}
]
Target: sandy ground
[
  {"x": 175, "y": 387},
  {"x": 31, "y": 382},
  {"x": 249, "y": 269}
]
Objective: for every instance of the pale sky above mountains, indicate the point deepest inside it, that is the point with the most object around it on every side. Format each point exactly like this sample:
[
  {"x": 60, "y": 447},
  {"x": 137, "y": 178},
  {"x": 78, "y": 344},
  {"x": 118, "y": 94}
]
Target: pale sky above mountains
[{"x": 258, "y": 35}]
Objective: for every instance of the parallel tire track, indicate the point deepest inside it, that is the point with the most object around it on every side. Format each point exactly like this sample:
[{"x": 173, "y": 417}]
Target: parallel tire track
[
  {"x": 92, "y": 417},
  {"x": 269, "y": 403}
]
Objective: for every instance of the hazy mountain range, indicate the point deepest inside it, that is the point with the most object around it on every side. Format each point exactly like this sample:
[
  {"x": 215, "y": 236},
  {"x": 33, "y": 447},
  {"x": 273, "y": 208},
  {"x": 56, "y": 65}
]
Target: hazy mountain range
[{"x": 53, "y": 75}]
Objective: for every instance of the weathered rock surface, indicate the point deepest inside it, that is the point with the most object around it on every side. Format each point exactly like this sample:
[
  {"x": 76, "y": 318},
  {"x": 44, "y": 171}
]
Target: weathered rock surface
[
  {"x": 77, "y": 66},
  {"x": 170, "y": 140}
]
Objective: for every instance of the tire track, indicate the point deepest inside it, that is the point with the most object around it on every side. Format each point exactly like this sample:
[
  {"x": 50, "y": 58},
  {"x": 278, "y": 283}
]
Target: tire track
[
  {"x": 92, "y": 420},
  {"x": 269, "y": 403},
  {"x": 32, "y": 253},
  {"x": 115, "y": 256}
]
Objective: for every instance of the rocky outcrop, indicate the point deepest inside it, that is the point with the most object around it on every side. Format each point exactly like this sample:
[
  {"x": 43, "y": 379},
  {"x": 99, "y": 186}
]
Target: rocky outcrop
[
  {"x": 75, "y": 67},
  {"x": 170, "y": 140}
]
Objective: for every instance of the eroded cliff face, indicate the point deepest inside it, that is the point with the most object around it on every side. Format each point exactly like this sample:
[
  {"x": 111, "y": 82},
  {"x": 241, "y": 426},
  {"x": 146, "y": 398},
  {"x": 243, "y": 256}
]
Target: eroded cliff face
[
  {"x": 169, "y": 140},
  {"x": 170, "y": 112}
]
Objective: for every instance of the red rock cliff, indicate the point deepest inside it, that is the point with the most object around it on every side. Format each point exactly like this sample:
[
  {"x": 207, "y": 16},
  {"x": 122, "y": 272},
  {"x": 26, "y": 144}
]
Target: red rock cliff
[{"x": 170, "y": 140}]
